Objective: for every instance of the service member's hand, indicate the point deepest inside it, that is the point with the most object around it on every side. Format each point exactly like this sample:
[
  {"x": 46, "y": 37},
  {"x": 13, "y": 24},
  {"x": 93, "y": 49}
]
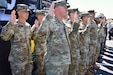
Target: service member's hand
[
  {"x": 89, "y": 21},
  {"x": 51, "y": 9},
  {"x": 52, "y": 5},
  {"x": 13, "y": 17},
  {"x": 36, "y": 23},
  {"x": 76, "y": 17}
]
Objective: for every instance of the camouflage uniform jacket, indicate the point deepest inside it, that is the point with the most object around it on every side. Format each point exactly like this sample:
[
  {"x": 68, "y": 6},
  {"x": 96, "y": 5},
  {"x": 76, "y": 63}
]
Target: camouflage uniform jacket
[
  {"x": 84, "y": 36},
  {"x": 69, "y": 24},
  {"x": 93, "y": 32},
  {"x": 101, "y": 32},
  {"x": 74, "y": 39},
  {"x": 20, "y": 36},
  {"x": 53, "y": 37}
]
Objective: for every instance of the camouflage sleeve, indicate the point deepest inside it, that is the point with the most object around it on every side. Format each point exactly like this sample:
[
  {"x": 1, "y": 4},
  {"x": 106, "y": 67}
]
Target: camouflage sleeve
[
  {"x": 34, "y": 31},
  {"x": 42, "y": 33},
  {"x": 83, "y": 31},
  {"x": 7, "y": 31},
  {"x": 76, "y": 26}
]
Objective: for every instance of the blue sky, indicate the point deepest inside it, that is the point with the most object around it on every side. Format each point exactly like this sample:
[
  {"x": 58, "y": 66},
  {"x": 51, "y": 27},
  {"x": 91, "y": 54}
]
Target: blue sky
[{"x": 100, "y": 6}]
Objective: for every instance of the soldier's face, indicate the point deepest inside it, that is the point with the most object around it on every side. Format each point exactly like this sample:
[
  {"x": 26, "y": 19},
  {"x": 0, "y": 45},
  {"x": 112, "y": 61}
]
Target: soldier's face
[
  {"x": 63, "y": 11},
  {"x": 40, "y": 18},
  {"x": 72, "y": 15},
  {"x": 24, "y": 14},
  {"x": 85, "y": 18}
]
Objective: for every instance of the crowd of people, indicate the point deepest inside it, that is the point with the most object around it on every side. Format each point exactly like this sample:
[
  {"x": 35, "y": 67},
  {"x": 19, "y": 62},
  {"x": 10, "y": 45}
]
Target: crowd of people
[{"x": 66, "y": 41}]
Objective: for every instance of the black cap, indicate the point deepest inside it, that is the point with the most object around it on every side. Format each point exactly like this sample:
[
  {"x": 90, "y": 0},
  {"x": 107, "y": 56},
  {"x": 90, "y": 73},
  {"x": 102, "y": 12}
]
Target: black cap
[
  {"x": 76, "y": 10},
  {"x": 91, "y": 11},
  {"x": 73, "y": 10}
]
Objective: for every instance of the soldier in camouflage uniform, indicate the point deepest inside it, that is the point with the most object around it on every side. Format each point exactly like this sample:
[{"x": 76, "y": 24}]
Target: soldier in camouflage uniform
[
  {"x": 101, "y": 30},
  {"x": 39, "y": 58},
  {"x": 18, "y": 31},
  {"x": 94, "y": 44},
  {"x": 84, "y": 43},
  {"x": 53, "y": 39},
  {"x": 74, "y": 43}
]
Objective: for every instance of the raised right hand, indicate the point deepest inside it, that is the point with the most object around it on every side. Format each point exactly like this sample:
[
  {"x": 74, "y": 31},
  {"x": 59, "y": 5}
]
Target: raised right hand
[
  {"x": 36, "y": 23},
  {"x": 13, "y": 17},
  {"x": 51, "y": 9},
  {"x": 76, "y": 17}
]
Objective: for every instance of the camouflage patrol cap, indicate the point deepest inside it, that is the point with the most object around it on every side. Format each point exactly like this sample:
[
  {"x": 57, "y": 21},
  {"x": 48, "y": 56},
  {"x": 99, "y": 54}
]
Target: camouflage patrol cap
[
  {"x": 40, "y": 12},
  {"x": 101, "y": 15},
  {"x": 84, "y": 13},
  {"x": 22, "y": 7},
  {"x": 61, "y": 3}
]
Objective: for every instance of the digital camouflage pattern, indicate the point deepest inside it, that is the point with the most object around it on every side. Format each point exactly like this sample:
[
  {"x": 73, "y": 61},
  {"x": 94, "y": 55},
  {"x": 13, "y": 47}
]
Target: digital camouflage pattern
[
  {"x": 94, "y": 44},
  {"x": 20, "y": 56},
  {"x": 57, "y": 70},
  {"x": 69, "y": 25},
  {"x": 75, "y": 49},
  {"x": 84, "y": 48},
  {"x": 53, "y": 38},
  {"x": 38, "y": 55},
  {"x": 101, "y": 32}
]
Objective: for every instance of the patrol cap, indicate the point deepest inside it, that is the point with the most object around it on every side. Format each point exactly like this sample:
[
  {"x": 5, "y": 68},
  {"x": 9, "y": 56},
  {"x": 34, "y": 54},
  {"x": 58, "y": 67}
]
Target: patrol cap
[
  {"x": 61, "y": 3},
  {"x": 73, "y": 10},
  {"x": 101, "y": 15},
  {"x": 91, "y": 11},
  {"x": 84, "y": 13},
  {"x": 67, "y": 4},
  {"x": 76, "y": 10},
  {"x": 40, "y": 12},
  {"x": 22, "y": 7}
]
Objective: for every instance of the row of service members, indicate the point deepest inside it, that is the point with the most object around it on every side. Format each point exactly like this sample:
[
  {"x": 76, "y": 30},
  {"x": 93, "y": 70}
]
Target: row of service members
[
  {"x": 80, "y": 40},
  {"x": 57, "y": 59}
]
